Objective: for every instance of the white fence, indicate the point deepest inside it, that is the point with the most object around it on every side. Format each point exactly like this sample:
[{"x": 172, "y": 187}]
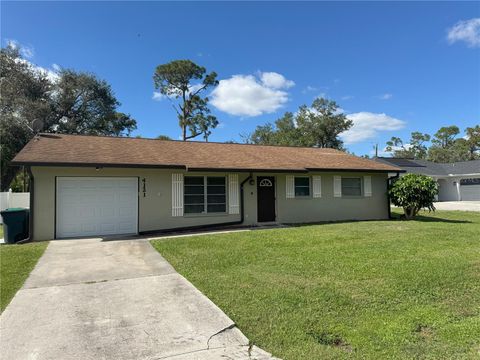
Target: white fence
[{"x": 13, "y": 200}]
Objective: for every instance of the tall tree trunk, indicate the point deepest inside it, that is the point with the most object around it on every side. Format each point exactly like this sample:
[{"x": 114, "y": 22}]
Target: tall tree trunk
[{"x": 184, "y": 115}]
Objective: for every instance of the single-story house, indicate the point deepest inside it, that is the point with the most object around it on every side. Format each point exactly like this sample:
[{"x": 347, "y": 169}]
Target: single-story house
[
  {"x": 96, "y": 185},
  {"x": 458, "y": 181}
]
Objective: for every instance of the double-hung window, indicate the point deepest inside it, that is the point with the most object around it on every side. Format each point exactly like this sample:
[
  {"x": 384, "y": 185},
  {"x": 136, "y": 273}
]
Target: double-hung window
[
  {"x": 351, "y": 186},
  {"x": 302, "y": 186},
  {"x": 216, "y": 198},
  {"x": 194, "y": 195},
  {"x": 204, "y": 194}
]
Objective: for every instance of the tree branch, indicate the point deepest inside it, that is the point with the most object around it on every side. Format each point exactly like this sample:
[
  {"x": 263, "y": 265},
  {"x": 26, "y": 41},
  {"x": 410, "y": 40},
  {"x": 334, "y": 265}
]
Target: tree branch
[
  {"x": 196, "y": 92},
  {"x": 193, "y": 136},
  {"x": 174, "y": 107}
]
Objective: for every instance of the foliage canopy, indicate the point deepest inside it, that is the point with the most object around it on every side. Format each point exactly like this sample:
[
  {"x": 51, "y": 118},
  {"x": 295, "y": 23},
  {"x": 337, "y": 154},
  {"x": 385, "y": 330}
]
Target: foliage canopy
[
  {"x": 69, "y": 102},
  {"x": 318, "y": 125},
  {"x": 184, "y": 81},
  {"x": 414, "y": 192}
]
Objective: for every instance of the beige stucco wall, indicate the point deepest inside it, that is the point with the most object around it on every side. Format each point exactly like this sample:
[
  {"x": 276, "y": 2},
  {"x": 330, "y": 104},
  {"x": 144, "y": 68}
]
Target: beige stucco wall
[
  {"x": 330, "y": 208},
  {"x": 325, "y": 208},
  {"x": 155, "y": 208},
  {"x": 155, "y": 211}
]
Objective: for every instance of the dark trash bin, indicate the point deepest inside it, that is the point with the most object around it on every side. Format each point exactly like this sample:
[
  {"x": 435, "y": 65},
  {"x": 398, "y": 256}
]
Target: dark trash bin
[{"x": 15, "y": 224}]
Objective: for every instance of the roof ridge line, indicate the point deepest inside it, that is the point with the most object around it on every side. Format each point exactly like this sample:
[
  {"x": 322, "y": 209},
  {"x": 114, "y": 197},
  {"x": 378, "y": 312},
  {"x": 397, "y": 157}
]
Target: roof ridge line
[{"x": 192, "y": 141}]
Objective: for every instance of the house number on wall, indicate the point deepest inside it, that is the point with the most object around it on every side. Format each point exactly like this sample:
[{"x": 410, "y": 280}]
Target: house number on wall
[{"x": 144, "y": 187}]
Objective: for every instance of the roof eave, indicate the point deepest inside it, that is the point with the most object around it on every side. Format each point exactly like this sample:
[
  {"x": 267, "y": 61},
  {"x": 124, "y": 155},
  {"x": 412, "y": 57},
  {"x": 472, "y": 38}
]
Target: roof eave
[
  {"x": 110, "y": 165},
  {"x": 357, "y": 170},
  {"x": 195, "y": 169},
  {"x": 249, "y": 170}
]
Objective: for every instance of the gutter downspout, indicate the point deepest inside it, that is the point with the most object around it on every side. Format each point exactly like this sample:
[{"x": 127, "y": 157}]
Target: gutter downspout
[
  {"x": 389, "y": 184},
  {"x": 242, "y": 201},
  {"x": 30, "y": 218},
  {"x": 199, "y": 227}
]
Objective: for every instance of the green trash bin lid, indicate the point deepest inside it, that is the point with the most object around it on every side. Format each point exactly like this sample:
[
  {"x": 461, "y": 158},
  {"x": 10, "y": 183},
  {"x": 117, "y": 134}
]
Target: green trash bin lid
[{"x": 14, "y": 209}]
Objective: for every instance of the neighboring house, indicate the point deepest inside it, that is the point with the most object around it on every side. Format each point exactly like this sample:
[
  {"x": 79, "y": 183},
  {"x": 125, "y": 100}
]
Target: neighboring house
[
  {"x": 456, "y": 181},
  {"x": 91, "y": 185}
]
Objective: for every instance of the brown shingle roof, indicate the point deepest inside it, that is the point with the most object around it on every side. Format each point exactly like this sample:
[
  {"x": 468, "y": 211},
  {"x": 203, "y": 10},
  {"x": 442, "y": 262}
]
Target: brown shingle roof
[{"x": 76, "y": 150}]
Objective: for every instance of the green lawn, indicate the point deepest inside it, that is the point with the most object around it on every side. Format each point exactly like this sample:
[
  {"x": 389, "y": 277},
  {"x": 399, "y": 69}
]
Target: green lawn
[
  {"x": 378, "y": 289},
  {"x": 16, "y": 263},
  {"x": 1, "y": 231}
]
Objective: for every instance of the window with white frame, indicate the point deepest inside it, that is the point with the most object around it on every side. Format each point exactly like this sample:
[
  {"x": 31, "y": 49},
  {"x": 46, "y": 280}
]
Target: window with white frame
[
  {"x": 302, "y": 186},
  {"x": 204, "y": 194},
  {"x": 351, "y": 186}
]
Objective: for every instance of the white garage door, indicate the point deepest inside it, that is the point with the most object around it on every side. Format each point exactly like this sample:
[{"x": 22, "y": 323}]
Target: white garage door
[
  {"x": 470, "y": 192},
  {"x": 90, "y": 206}
]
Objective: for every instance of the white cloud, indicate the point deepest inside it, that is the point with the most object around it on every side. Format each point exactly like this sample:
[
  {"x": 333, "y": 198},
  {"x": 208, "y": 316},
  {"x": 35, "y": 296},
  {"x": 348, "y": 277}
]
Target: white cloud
[
  {"x": 386, "y": 96},
  {"x": 157, "y": 96},
  {"x": 275, "y": 80},
  {"x": 13, "y": 43},
  {"x": 398, "y": 148},
  {"x": 195, "y": 87},
  {"x": 347, "y": 97},
  {"x": 381, "y": 153},
  {"x": 51, "y": 74},
  {"x": 26, "y": 51},
  {"x": 309, "y": 89},
  {"x": 246, "y": 95},
  {"x": 467, "y": 31},
  {"x": 367, "y": 125},
  {"x": 385, "y": 153}
]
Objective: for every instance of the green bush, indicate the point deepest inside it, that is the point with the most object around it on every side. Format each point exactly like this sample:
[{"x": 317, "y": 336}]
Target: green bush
[{"x": 414, "y": 192}]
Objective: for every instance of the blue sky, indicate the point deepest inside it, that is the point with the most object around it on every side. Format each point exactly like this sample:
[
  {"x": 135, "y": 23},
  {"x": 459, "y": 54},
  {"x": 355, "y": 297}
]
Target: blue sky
[{"x": 392, "y": 67}]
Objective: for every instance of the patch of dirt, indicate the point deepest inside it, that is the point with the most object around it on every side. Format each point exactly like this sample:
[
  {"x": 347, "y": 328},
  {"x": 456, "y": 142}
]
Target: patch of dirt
[
  {"x": 424, "y": 331},
  {"x": 328, "y": 339}
]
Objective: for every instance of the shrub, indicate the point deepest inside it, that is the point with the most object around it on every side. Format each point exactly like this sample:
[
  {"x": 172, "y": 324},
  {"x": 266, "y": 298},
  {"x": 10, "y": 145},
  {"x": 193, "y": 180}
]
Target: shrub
[{"x": 413, "y": 192}]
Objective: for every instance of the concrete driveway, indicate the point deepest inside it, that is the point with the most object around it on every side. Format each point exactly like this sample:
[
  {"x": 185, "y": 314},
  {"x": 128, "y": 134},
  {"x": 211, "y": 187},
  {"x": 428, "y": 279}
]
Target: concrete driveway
[
  {"x": 458, "y": 205},
  {"x": 91, "y": 299}
]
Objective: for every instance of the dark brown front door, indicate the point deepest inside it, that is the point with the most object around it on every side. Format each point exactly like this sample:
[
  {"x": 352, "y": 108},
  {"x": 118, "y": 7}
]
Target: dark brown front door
[{"x": 266, "y": 198}]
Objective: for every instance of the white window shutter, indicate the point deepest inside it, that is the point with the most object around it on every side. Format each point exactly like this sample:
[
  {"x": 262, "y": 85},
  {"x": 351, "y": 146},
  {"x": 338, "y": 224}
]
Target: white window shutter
[
  {"x": 317, "y": 186},
  {"x": 233, "y": 194},
  {"x": 367, "y": 186},
  {"x": 177, "y": 194},
  {"x": 290, "y": 186},
  {"x": 337, "y": 186}
]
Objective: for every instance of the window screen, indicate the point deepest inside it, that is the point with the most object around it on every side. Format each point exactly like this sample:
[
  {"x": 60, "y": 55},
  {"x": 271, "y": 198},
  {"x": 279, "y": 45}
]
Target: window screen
[
  {"x": 204, "y": 194},
  {"x": 194, "y": 195},
  {"x": 302, "y": 186},
  {"x": 351, "y": 186},
  {"x": 216, "y": 198}
]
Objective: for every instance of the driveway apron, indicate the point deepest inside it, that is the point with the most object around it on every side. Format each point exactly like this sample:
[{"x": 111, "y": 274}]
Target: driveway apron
[{"x": 93, "y": 299}]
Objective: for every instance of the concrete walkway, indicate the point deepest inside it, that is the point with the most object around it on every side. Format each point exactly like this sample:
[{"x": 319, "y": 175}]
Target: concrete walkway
[
  {"x": 92, "y": 299},
  {"x": 458, "y": 205}
]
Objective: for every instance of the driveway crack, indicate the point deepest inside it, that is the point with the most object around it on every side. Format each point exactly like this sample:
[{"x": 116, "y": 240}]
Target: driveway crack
[{"x": 229, "y": 327}]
